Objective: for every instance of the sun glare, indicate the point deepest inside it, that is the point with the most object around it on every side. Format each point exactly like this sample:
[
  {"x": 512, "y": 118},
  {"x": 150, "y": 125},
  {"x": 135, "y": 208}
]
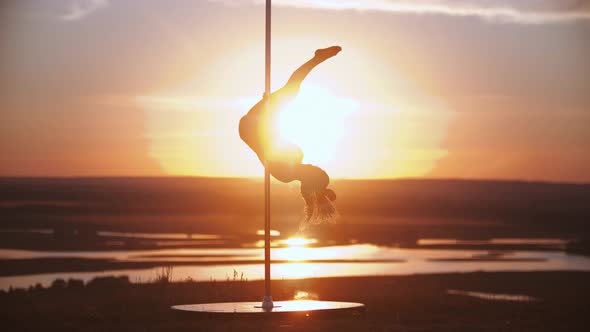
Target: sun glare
[{"x": 316, "y": 121}]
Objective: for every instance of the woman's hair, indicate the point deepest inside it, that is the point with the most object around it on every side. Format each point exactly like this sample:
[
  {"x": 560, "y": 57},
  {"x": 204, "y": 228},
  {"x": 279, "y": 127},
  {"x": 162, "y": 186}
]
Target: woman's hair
[{"x": 318, "y": 198}]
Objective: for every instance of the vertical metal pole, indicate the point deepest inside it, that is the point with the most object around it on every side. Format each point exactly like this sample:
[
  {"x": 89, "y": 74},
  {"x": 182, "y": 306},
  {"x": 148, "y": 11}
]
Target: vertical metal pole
[{"x": 267, "y": 301}]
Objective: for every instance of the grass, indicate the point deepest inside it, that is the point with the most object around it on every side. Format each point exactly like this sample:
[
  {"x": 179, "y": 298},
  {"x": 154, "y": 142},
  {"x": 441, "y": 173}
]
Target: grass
[
  {"x": 404, "y": 303},
  {"x": 164, "y": 275}
]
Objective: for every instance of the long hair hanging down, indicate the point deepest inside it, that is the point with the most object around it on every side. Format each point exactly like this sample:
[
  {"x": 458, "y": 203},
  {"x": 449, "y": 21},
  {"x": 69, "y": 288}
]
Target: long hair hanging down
[{"x": 319, "y": 206}]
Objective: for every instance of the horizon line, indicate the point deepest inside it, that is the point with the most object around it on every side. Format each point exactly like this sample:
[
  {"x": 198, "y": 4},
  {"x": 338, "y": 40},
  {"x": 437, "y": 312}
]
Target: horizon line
[{"x": 261, "y": 178}]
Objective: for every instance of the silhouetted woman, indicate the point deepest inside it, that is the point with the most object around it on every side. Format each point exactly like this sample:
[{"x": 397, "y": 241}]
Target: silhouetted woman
[{"x": 284, "y": 159}]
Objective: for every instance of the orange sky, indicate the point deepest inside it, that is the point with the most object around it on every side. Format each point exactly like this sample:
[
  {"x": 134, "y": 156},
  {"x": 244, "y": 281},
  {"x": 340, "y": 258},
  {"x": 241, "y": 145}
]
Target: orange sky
[{"x": 147, "y": 88}]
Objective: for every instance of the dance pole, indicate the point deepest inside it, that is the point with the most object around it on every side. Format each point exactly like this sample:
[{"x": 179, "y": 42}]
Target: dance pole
[
  {"x": 267, "y": 307},
  {"x": 267, "y": 301}
]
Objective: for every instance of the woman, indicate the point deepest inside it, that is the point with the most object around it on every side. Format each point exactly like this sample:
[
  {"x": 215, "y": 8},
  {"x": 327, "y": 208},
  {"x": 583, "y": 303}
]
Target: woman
[{"x": 284, "y": 159}]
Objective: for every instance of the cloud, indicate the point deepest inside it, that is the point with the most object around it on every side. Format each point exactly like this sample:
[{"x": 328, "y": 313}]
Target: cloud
[
  {"x": 516, "y": 11},
  {"x": 80, "y": 9}
]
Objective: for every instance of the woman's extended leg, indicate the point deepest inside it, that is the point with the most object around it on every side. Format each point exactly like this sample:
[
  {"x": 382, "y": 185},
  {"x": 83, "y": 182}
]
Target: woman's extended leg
[
  {"x": 291, "y": 88},
  {"x": 257, "y": 124},
  {"x": 320, "y": 56}
]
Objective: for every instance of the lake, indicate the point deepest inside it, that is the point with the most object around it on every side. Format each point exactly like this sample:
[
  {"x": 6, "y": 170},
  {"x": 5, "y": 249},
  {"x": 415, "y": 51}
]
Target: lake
[{"x": 305, "y": 259}]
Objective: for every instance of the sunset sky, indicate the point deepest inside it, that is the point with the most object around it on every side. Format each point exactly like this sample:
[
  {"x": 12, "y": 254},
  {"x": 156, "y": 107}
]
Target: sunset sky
[{"x": 434, "y": 88}]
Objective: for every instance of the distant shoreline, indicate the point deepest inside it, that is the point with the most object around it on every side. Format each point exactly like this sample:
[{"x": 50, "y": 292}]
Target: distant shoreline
[{"x": 260, "y": 179}]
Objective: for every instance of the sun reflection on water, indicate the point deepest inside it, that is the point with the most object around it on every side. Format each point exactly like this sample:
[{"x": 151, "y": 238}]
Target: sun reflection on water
[
  {"x": 297, "y": 262},
  {"x": 292, "y": 242},
  {"x": 296, "y": 270},
  {"x": 297, "y": 249},
  {"x": 298, "y": 241},
  {"x": 305, "y": 295}
]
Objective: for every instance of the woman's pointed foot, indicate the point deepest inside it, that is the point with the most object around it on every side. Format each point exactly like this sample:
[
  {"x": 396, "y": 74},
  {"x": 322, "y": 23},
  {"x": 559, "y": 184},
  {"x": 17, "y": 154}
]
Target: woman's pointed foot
[{"x": 326, "y": 53}]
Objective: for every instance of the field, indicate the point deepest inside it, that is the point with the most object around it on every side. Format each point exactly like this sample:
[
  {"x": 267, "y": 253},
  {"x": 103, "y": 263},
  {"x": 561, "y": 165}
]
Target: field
[
  {"x": 72, "y": 214},
  {"x": 558, "y": 302},
  {"x": 389, "y": 212}
]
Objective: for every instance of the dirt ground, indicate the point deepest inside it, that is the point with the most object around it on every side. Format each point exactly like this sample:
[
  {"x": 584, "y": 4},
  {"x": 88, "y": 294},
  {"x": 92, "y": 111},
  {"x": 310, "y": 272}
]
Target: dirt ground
[{"x": 403, "y": 303}]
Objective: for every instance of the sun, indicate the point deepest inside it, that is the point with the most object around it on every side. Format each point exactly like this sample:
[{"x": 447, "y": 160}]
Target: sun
[{"x": 316, "y": 121}]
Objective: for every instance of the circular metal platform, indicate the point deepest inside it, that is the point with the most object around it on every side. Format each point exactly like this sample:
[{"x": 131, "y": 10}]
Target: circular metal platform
[{"x": 284, "y": 307}]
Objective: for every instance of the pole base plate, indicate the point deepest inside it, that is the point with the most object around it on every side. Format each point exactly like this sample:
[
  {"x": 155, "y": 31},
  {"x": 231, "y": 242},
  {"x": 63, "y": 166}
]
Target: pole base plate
[{"x": 255, "y": 308}]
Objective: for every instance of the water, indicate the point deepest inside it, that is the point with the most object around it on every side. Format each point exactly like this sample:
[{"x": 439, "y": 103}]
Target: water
[
  {"x": 302, "y": 262},
  {"x": 544, "y": 242},
  {"x": 493, "y": 296},
  {"x": 160, "y": 236}
]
